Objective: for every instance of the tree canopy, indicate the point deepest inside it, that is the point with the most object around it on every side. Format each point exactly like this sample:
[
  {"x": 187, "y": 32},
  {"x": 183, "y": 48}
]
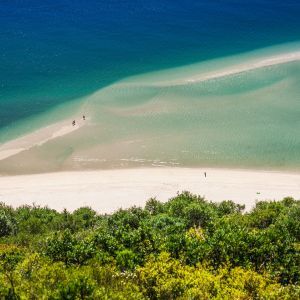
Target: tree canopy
[{"x": 185, "y": 248}]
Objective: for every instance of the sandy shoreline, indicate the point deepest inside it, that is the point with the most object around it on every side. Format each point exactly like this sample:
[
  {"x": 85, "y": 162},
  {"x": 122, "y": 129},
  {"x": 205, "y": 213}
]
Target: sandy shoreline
[{"x": 108, "y": 190}]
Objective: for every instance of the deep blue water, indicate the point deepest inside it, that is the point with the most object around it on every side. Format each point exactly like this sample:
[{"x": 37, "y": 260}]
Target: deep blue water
[{"x": 52, "y": 51}]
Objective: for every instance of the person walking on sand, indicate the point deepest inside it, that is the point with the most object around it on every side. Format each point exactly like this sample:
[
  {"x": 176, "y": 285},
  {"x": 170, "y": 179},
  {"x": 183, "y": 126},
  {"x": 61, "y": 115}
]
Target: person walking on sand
[
  {"x": 205, "y": 174},
  {"x": 73, "y": 123},
  {"x": 83, "y": 117}
]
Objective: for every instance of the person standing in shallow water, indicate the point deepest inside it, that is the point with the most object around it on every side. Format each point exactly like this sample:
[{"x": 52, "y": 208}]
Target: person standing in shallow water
[
  {"x": 73, "y": 123},
  {"x": 83, "y": 117}
]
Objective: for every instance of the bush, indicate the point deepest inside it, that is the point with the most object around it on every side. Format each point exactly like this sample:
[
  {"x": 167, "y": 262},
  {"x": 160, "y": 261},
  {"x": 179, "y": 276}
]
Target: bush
[
  {"x": 7, "y": 224},
  {"x": 66, "y": 248},
  {"x": 187, "y": 248}
]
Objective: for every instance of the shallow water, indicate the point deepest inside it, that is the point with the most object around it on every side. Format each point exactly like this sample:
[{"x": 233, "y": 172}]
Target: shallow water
[
  {"x": 247, "y": 119},
  {"x": 150, "y": 77}
]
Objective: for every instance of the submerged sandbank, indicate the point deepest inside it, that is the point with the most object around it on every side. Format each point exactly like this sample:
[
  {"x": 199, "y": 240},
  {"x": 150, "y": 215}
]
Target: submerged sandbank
[
  {"x": 238, "y": 112},
  {"x": 219, "y": 67},
  {"x": 106, "y": 191}
]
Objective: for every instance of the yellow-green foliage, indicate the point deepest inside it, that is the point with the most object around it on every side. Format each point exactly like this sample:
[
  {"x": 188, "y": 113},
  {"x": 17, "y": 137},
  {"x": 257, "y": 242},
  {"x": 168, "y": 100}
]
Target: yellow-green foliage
[
  {"x": 187, "y": 248},
  {"x": 167, "y": 278}
]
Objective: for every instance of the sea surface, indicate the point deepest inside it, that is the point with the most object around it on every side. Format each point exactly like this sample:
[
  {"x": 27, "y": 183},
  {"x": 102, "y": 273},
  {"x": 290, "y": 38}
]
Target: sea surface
[{"x": 130, "y": 64}]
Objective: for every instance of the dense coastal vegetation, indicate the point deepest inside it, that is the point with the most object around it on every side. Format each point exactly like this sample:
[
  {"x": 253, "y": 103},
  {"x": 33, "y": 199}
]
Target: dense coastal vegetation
[{"x": 186, "y": 248}]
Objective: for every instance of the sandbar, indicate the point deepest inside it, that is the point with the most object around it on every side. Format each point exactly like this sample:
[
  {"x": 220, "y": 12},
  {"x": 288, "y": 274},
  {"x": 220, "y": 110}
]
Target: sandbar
[
  {"x": 155, "y": 79},
  {"x": 38, "y": 137}
]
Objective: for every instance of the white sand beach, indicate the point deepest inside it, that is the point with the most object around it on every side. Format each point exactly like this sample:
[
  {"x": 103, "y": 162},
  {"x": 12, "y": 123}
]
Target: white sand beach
[{"x": 108, "y": 190}]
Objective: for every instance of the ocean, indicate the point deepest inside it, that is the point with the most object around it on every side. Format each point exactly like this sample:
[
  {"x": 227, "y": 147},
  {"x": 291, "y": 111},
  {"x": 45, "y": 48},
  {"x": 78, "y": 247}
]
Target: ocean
[{"x": 56, "y": 54}]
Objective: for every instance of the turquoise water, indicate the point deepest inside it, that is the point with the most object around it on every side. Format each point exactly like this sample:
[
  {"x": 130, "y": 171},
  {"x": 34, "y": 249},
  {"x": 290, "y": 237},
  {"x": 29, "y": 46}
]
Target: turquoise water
[
  {"x": 241, "y": 119},
  {"x": 131, "y": 65},
  {"x": 52, "y": 52}
]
